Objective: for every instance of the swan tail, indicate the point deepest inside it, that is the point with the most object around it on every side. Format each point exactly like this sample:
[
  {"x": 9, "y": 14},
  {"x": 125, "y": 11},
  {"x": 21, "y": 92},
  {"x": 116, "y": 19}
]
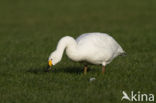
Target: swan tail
[{"x": 123, "y": 54}]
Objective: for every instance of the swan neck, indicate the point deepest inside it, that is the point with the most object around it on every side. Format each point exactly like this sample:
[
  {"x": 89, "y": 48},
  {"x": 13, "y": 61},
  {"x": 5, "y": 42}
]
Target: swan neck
[{"x": 68, "y": 43}]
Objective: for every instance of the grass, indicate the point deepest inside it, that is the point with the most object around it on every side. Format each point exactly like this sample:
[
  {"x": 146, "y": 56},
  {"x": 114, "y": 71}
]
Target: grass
[{"x": 30, "y": 30}]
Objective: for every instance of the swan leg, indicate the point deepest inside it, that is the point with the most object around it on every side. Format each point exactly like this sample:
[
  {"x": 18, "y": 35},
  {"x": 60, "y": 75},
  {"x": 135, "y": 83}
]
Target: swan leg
[
  {"x": 85, "y": 69},
  {"x": 103, "y": 69}
]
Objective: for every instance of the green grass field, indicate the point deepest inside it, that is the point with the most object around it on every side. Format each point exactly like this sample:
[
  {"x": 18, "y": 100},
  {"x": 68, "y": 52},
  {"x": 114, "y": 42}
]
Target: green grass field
[{"x": 30, "y": 30}]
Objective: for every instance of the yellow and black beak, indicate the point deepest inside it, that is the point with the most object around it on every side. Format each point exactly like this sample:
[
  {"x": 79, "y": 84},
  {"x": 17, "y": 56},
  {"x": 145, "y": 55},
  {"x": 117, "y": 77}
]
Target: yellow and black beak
[{"x": 50, "y": 63}]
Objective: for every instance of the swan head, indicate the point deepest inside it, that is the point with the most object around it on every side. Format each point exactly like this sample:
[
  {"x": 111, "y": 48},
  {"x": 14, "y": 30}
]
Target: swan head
[{"x": 54, "y": 58}]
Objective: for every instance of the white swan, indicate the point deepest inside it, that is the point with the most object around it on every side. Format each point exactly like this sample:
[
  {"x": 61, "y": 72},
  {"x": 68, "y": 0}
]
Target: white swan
[{"x": 95, "y": 48}]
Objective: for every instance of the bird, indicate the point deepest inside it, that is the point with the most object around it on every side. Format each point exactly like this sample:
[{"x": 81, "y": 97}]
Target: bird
[{"x": 89, "y": 48}]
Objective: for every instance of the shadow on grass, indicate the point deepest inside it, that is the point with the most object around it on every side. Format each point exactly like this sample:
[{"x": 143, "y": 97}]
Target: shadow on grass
[{"x": 75, "y": 70}]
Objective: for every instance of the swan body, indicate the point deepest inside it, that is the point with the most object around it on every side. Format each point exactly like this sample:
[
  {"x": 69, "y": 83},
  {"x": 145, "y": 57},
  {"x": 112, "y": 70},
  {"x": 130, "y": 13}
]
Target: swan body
[{"x": 95, "y": 48}]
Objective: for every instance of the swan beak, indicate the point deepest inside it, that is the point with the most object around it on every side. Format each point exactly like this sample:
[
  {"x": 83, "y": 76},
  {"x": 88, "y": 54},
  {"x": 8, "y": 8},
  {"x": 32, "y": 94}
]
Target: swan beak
[{"x": 50, "y": 63}]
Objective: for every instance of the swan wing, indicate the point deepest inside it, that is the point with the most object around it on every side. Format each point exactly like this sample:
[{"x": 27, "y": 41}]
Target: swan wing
[
  {"x": 97, "y": 47},
  {"x": 98, "y": 41}
]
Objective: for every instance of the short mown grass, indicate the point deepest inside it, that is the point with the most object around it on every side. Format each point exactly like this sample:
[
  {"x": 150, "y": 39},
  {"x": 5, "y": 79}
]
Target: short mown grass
[{"x": 30, "y": 30}]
